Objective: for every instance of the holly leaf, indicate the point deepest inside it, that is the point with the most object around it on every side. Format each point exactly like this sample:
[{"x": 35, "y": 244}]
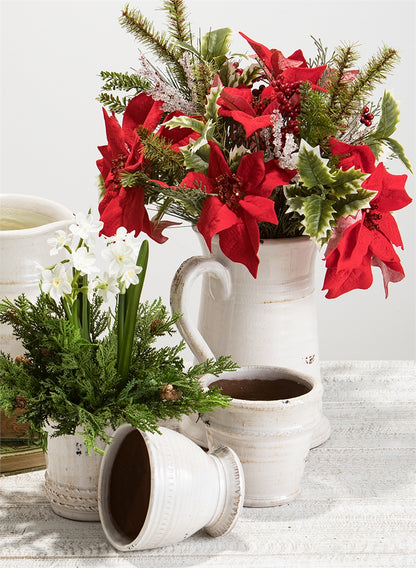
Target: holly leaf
[
  {"x": 389, "y": 117},
  {"x": 318, "y": 217},
  {"x": 312, "y": 167},
  {"x": 347, "y": 181},
  {"x": 398, "y": 149},
  {"x": 353, "y": 202},
  {"x": 216, "y": 43}
]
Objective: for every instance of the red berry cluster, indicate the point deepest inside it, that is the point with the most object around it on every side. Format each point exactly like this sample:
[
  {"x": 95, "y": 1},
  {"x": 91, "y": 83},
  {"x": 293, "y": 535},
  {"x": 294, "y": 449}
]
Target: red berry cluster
[
  {"x": 288, "y": 101},
  {"x": 366, "y": 116},
  {"x": 258, "y": 103}
]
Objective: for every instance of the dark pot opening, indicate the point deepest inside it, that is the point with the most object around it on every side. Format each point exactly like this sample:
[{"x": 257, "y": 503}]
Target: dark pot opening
[
  {"x": 129, "y": 486},
  {"x": 262, "y": 389}
]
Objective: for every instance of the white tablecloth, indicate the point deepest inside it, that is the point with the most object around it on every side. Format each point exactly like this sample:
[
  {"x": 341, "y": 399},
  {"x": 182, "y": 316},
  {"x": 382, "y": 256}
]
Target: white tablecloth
[{"x": 357, "y": 507}]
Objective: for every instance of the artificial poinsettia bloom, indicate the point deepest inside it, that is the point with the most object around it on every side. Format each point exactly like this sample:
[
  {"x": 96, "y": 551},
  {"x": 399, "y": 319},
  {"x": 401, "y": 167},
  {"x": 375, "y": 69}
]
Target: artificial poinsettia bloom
[
  {"x": 359, "y": 156},
  {"x": 291, "y": 69},
  {"x": 369, "y": 242},
  {"x": 236, "y": 203},
  {"x": 125, "y": 206}
]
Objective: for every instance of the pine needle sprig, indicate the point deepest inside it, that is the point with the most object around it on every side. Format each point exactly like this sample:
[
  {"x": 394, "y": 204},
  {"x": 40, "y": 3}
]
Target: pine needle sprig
[
  {"x": 135, "y": 23},
  {"x": 113, "y": 102},
  {"x": 343, "y": 59},
  {"x": 178, "y": 26},
  {"x": 373, "y": 73}
]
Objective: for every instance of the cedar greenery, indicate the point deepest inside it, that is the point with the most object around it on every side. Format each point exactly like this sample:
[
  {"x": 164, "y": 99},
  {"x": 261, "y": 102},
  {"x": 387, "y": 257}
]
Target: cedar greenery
[{"x": 75, "y": 383}]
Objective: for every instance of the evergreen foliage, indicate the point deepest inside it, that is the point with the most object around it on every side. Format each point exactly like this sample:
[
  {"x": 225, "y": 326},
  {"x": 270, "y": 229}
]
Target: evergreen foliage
[{"x": 74, "y": 384}]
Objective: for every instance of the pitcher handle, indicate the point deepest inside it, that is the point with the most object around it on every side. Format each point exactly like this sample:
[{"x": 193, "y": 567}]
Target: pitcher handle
[{"x": 182, "y": 282}]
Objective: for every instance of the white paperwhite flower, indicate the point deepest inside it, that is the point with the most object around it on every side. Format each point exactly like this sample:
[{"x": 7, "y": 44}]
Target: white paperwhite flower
[
  {"x": 58, "y": 241},
  {"x": 120, "y": 256},
  {"x": 85, "y": 226},
  {"x": 129, "y": 276},
  {"x": 84, "y": 261},
  {"x": 105, "y": 286},
  {"x": 122, "y": 236},
  {"x": 56, "y": 282}
]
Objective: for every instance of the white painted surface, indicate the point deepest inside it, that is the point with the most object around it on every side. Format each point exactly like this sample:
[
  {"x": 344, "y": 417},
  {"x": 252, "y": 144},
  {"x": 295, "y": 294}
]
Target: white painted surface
[{"x": 357, "y": 508}]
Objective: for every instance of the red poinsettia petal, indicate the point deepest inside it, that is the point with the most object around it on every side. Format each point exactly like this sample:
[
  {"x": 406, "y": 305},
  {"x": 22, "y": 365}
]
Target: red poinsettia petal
[
  {"x": 352, "y": 248},
  {"x": 360, "y": 157},
  {"x": 233, "y": 98},
  {"x": 198, "y": 179},
  {"x": 388, "y": 226},
  {"x": 124, "y": 208},
  {"x": 215, "y": 217},
  {"x": 217, "y": 165},
  {"x": 391, "y": 194},
  {"x": 261, "y": 51},
  {"x": 157, "y": 228},
  {"x": 279, "y": 62},
  {"x": 115, "y": 135},
  {"x": 260, "y": 208},
  {"x": 251, "y": 171},
  {"x": 274, "y": 177},
  {"x": 142, "y": 110},
  {"x": 310, "y": 74},
  {"x": 238, "y": 243},
  {"x": 250, "y": 123},
  {"x": 177, "y": 136},
  {"x": 382, "y": 248},
  {"x": 339, "y": 282},
  {"x": 391, "y": 272}
]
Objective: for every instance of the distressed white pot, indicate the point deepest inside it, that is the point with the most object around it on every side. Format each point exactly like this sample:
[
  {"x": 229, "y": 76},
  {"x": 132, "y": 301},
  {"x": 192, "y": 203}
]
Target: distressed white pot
[
  {"x": 270, "y": 320},
  {"x": 156, "y": 490},
  {"x": 271, "y": 437},
  {"x": 71, "y": 477},
  {"x": 22, "y": 248}
]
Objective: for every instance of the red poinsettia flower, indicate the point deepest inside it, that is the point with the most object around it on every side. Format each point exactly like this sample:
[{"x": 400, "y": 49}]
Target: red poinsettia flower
[
  {"x": 237, "y": 203},
  {"x": 369, "y": 242},
  {"x": 122, "y": 206},
  {"x": 358, "y": 156}
]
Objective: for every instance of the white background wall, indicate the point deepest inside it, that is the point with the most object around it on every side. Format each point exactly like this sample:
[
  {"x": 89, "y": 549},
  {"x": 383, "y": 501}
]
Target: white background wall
[{"x": 52, "y": 53}]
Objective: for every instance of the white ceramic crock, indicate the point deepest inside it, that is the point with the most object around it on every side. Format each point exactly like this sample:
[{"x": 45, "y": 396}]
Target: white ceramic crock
[
  {"x": 271, "y": 437},
  {"x": 156, "y": 490},
  {"x": 71, "y": 477},
  {"x": 22, "y": 249},
  {"x": 268, "y": 320}
]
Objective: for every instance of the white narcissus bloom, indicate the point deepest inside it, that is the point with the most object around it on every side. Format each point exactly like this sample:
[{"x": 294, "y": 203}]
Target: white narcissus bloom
[
  {"x": 85, "y": 226},
  {"x": 56, "y": 282},
  {"x": 58, "y": 241},
  {"x": 106, "y": 286},
  {"x": 84, "y": 261},
  {"x": 120, "y": 257},
  {"x": 129, "y": 276}
]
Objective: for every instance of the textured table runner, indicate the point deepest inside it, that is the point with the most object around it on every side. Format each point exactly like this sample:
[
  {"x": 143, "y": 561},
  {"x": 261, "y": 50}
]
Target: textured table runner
[{"x": 357, "y": 507}]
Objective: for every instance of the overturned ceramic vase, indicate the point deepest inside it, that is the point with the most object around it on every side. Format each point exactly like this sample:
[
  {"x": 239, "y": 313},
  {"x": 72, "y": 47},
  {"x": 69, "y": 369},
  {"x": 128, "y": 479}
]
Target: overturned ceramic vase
[
  {"x": 155, "y": 490},
  {"x": 274, "y": 412}
]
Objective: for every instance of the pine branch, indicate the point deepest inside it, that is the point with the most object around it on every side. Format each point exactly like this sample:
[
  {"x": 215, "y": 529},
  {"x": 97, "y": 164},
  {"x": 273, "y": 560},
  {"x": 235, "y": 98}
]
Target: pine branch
[
  {"x": 166, "y": 163},
  {"x": 373, "y": 73},
  {"x": 113, "y": 102},
  {"x": 177, "y": 17},
  {"x": 145, "y": 33},
  {"x": 344, "y": 58},
  {"x": 124, "y": 82}
]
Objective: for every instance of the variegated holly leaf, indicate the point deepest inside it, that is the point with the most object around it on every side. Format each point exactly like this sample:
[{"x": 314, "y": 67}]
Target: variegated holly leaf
[
  {"x": 197, "y": 161},
  {"x": 347, "y": 181},
  {"x": 211, "y": 107},
  {"x": 319, "y": 218},
  {"x": 389, "y": 117},
  {"x": 312, "y": 168},
  {"x": 353, "y": 202}
]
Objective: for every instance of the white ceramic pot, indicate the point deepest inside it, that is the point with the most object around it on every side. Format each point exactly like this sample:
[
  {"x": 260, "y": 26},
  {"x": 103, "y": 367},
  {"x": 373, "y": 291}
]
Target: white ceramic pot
[
  {"x": 26, "y": 222},
  {"x": 156, "y": 490},
  {"x": 71, "y": 477},
  {"x": 271, "y": 437},
  {"x": 270, "y": 320}
]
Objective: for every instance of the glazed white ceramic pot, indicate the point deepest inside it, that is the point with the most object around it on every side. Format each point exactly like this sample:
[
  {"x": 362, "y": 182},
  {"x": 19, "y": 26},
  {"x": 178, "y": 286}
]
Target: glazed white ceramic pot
[
  {"x": 268, "y": 320},
  {"x": 71, "y": 477},
  {"x": 156, "y": 490},
  {"x": 26, "y": 222},
  {"x": 272, "y": 437}
]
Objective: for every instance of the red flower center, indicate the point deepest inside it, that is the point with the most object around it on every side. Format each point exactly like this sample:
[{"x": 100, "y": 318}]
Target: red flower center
[
  {"x": 229, "y": 189},
  {"x": 371, "y": 218},
  {"x": 117, "y": 165}
]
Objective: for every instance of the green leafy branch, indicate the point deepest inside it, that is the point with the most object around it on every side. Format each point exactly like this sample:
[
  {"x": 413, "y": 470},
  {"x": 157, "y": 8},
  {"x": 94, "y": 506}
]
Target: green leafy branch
[{"x": 323, "y": 196}]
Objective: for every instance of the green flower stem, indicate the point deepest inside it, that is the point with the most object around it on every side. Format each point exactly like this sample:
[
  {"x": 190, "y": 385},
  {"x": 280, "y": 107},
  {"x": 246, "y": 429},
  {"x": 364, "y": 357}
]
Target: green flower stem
[
  {"x": 85, "y": 323},
  {"x": 121, "y": 314},
  {"x": 132, "y": 298}
]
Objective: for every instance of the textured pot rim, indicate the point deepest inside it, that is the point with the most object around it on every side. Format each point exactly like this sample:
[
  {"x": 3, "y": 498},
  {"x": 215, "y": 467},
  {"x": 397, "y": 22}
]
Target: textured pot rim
[
  {"x": 27, "y": 202},
  {"x": 263, "y": 242},
  {"x": 272, "y": 369}
]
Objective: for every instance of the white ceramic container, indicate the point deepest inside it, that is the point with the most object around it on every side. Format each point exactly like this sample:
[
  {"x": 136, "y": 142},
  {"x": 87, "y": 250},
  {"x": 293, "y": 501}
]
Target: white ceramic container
[
  {"x": 26, "y": 222},
  {"x": 271, "y": 437},
  {"x": 270, "y": 320},
  {"x": 71, "y": 477},
  {"x": 156, "y": 490}
]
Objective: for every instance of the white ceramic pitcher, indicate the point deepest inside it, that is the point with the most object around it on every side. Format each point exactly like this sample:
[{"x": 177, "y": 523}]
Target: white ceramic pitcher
[
  {"x": 270, "y": 320},
  {"x": 26, "y": 223}
]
